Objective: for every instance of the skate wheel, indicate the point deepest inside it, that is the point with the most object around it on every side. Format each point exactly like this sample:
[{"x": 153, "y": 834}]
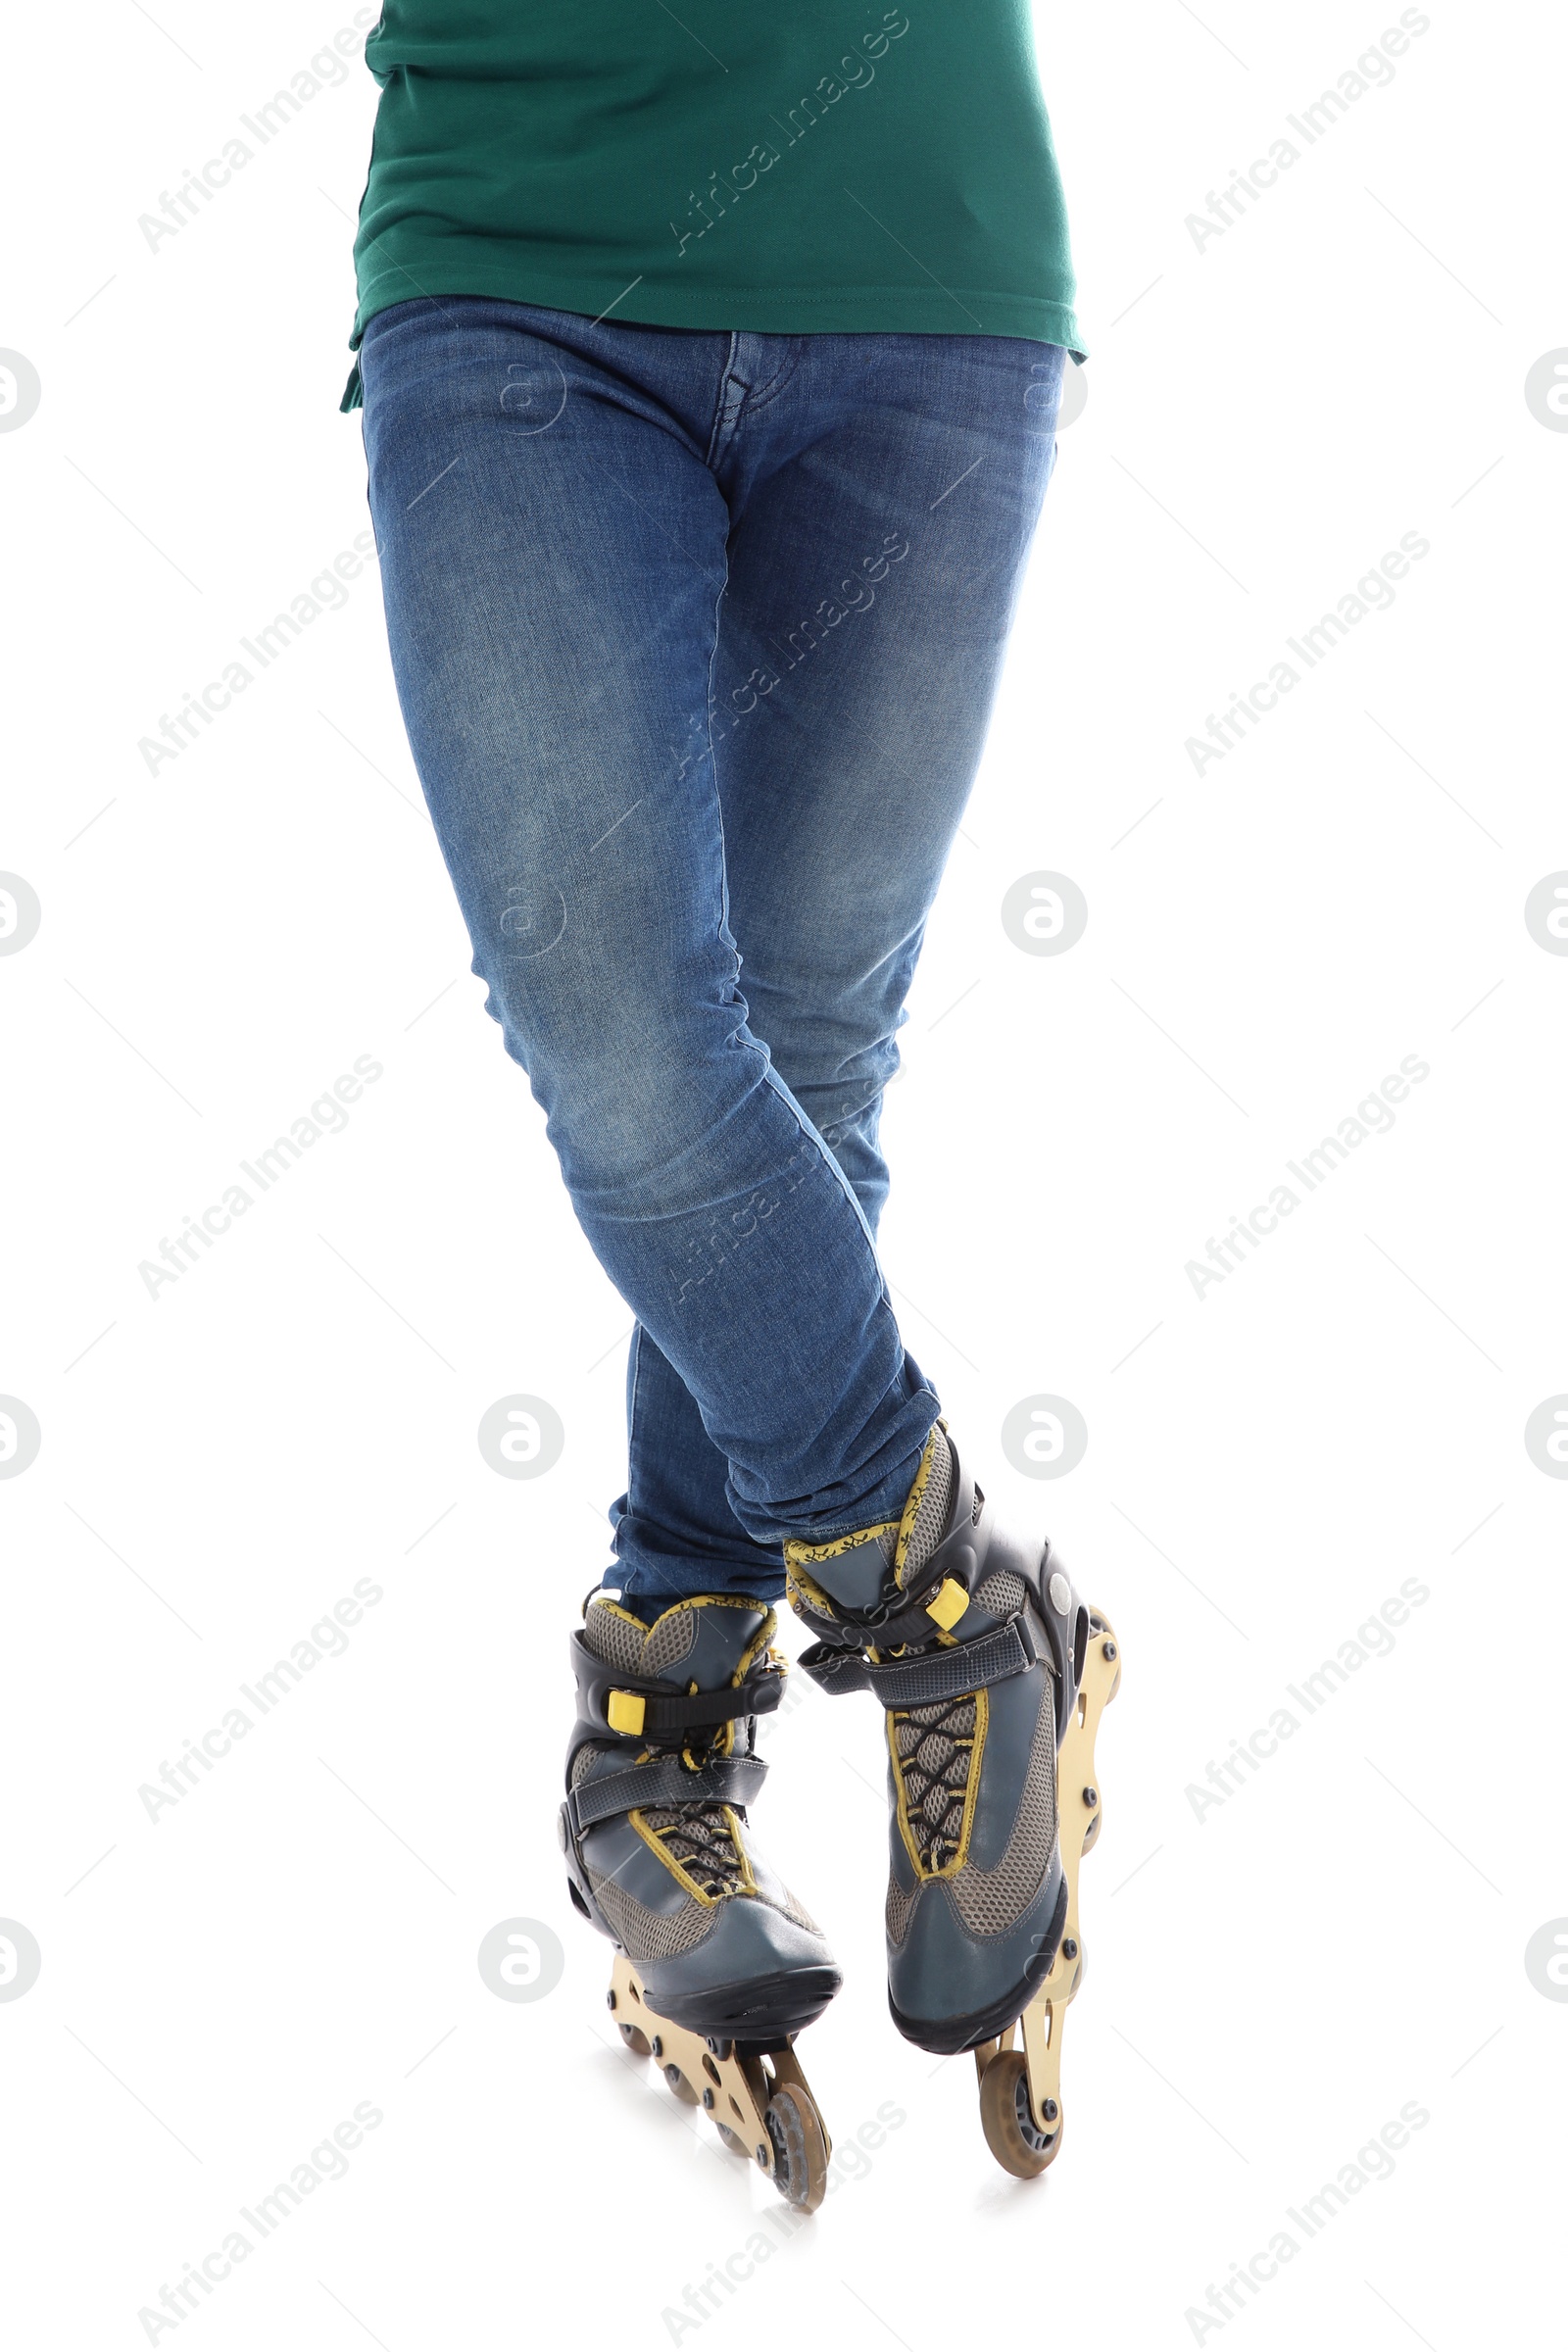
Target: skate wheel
[
  {"x": 1013, "y": 2135},
  {"x": 800, "y": 2146},
  {"x": 732, "y": 2140},
  {"x": 637, "y": 2041},
  {"x": 680, "y": 2086},
  {"x": 1093, "y": 1831}
]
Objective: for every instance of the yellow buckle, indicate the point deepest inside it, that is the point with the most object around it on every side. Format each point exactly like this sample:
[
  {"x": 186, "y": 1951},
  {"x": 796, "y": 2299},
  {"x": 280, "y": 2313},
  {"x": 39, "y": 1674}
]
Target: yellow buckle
[
  {"x": 625, "y": 1710},
  {"x": 948, "y": 1603}
]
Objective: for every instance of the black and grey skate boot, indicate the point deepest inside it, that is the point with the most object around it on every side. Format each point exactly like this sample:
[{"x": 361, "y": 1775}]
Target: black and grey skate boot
[
  {"x": 993, "y": 1672},
  {"x": 719, "y": 1966}
]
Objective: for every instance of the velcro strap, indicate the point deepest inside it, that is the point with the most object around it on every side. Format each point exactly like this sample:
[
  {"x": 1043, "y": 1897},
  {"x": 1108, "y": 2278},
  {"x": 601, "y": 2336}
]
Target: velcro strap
[
  {"x": 639, "y": 1707},
  {"x": 704, "y": 1707},
  {"x": 731, "y": 1781},
  {"x": 932, "y": 1675},
  {"x": 834, "y": 1670}
]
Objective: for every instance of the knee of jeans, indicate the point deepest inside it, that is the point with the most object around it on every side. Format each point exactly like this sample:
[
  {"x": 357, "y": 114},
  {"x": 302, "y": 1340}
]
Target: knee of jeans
[
  {"x": 636, "y": 1090},
  {"x": 831, "y": 1014},
  {"x": 848, "y": 1123},
  {"x": 838, "y": 1070},
  {"x": 644, "y": 1139}
]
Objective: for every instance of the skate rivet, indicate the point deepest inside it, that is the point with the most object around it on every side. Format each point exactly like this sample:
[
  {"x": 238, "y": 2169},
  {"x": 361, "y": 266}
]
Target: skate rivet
[
  {"x": 1060, "y": 1592},
  {"x": 610, "y": 1998},
  {"x": 708, "y": 2099},
  {"x": 1091, "y": 1799},
  {"x": 659, "y": 2045},
  {"x": 761, "y": 2158},
  {"x": 1109, "y": 1650},
  {"x": 1069, "y": 1949},
  {"x": 1051, "y": 2111}
]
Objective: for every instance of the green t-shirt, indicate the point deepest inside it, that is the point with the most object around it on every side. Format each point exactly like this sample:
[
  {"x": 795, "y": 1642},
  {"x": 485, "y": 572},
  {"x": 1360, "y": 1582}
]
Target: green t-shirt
[{"x": 786, "y": 167}]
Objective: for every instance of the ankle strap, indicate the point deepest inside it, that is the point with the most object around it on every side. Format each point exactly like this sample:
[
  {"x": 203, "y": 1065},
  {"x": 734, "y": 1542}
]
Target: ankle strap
[
  {"x": 930, "y": 1676},
  {"x": 666, "y": 1780},
  {"x": 641, "y": 1707}
]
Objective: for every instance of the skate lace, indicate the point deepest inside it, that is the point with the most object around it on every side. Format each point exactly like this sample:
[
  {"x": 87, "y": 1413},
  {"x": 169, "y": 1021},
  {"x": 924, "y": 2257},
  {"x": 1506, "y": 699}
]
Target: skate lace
[
  {"x": 698, "y": 1839},
  {"x": 934, "y": 1752},
  {"x": 701, "y": 1841}
]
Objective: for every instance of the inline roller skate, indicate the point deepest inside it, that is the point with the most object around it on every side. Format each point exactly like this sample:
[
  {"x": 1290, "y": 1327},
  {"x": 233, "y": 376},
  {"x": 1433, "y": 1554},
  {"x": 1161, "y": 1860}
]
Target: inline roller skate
[
  {"x": 718, "y": 1967},
  {"x": 994, "y": 1674}
]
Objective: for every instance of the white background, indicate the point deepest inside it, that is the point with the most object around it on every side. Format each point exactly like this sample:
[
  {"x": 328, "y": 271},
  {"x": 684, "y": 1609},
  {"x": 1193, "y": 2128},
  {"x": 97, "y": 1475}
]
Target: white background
[{"x": 1342, "y": 1936}]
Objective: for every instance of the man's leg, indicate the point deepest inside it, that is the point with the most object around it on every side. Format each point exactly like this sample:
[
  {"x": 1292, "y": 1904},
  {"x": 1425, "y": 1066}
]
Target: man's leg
[
  {"x": 886, "y": 490},
  {"x": 553, "y": 546},
  {"x": 887, "y": 506},
  {"x": 873, "y": 571}
]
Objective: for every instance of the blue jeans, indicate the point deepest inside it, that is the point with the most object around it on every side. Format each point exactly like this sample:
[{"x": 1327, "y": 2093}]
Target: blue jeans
[{"x": 696, "y": 637}]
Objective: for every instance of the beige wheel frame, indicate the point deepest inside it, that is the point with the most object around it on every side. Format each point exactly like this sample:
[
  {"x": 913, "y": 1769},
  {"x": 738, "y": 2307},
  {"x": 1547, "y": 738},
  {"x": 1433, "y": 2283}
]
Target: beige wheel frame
[
  {"x": 763, "y": 2105},
  {"x": 1080, "y": 1811}
]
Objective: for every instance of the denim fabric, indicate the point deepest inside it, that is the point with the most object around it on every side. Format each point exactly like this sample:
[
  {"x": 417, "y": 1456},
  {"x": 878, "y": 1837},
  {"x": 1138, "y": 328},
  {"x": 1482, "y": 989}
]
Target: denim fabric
[{"x": 696, "y": 637}]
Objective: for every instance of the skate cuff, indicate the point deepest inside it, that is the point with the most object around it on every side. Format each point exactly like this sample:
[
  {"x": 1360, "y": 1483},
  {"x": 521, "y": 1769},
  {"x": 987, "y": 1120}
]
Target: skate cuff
[
  {"x": 935, "y": 1674},
  {"x": 733, "y": 1781}
]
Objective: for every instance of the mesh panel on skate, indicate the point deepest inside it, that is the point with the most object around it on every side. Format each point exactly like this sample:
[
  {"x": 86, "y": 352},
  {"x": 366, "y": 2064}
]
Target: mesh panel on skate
[
  {"x": 614, "y": 1640},
  {"x": 652, "y": 1934},
  {"x": 584, "y": 1757},
  {"x": 899, "y": 1910},
  {"x": 669, "y": 1642},
  {"x": 931, "y": 1513},
  {"x": 989, "y": 1901},
  {"x": 934, "y": 1749},
  {"x": 1002, "y": 1594},
  {"x": 793, "y": 1908}
]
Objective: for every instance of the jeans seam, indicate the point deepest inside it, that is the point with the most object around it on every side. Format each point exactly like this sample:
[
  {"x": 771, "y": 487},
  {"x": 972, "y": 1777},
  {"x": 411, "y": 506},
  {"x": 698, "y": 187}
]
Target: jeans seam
[
  {"x": 712, "y": 763},
  {"x": 631, "y": 1413},
  {"x": 717, "y": 437},
  {"x": 813, "y": 1135}
]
